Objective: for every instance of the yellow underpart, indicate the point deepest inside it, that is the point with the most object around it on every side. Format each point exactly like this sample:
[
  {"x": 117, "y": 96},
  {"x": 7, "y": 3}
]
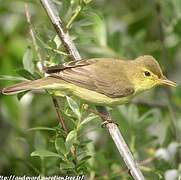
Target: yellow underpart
[{"x": 89, "y": 96}]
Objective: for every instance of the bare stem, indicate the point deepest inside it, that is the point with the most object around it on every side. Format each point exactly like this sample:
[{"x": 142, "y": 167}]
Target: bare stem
[
  {"x": 32, "y": 34},
  {"x": 61, "y": 120},
  {"x": 113, "y": 129}
]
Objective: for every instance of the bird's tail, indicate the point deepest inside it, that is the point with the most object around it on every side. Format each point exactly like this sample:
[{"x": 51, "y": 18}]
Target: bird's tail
[{"x": 46, "y": 82}]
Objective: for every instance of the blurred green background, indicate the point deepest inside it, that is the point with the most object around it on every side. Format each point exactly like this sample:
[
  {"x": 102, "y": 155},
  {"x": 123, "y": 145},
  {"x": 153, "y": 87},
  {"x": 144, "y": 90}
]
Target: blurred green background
[{"x": 151, "y": 124}]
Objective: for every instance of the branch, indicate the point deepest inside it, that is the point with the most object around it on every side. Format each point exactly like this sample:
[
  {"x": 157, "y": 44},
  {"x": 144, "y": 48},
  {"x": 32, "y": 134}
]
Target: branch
[
  {"x": 62, "y": 33},
  {"x": 113, "y": 129},
  {"x": 32, "y": 34}
]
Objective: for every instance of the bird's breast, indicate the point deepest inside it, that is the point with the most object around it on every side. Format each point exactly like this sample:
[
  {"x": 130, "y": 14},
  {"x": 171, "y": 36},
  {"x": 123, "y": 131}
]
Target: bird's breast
[{"x": 93, "y": 97}]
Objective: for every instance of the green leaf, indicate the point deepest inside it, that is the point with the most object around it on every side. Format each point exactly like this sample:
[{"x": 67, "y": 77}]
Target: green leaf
[
  {"x": 67, "y": 165},
  {"x": 87, "y": 1},
  {"x": 27, "y": 60},
  {"x": 26, "y": 74},
  {"x": 60, "y": 145},
  {"x": 40, "y": 142},
  {"x": 85, "y": 158},
  {"x": 133, "y": 113},
  {"x": 42, "y": 153},
  {"x": 74, "y": 107},
  {"x": 100, "y": 30},
  {"x": 20, "y": 95},
  {"x": 146, "y": 115},
  {"x": 11, "y": 78},
  {"x": 41, "y": 128},
  {"x": 70, "y": 140},
  {"x": 57, "y": 41},
  {"x": 88, "y": 119}
]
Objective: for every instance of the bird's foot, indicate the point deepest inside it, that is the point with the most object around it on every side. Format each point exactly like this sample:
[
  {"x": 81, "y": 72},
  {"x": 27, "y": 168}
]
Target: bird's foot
[{"x": 103, "y": 124}]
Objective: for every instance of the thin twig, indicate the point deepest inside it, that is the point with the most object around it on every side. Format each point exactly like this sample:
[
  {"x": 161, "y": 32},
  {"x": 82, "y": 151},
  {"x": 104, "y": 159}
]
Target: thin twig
[
  {"x": 61, "y": 120},
  {"x": 32, "y": 34},
  {"x": 113, "y": 129},
  {"x": 76, "y": 13}
]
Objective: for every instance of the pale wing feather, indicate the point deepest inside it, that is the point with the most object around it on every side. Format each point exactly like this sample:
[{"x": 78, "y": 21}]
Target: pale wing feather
[{"x": 105, "y": 78}]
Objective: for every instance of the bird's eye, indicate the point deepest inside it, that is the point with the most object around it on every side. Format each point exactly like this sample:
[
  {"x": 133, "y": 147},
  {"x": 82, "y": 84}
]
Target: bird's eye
[{"x": 147, "y": 73}]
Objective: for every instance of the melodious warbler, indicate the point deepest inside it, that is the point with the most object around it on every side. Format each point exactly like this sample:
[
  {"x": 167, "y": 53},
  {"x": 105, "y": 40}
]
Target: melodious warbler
[{"x": 100, "y": 81}]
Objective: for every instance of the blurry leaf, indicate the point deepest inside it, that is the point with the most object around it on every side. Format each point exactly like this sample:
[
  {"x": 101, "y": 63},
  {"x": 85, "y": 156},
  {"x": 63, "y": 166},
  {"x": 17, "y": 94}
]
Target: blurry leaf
[
  {"x": 41, "y": 42},
  {"x": 37, "y": 75},
  {"x": 146, "y": 115},
  {"x": 85, "y": 142},
  {"x": 88, "y": 119},
  {"x": 85, "y": 158},
  {"x": 101, "y": 51},
  {"x": 26, "y": 74},
  {"x": 70, "y": 140},
  {"x": 42, "y": 153},
  {"x": 133, "y": 113},
  {"x": 27, "y": 60},
  {"x": 100, "y": 30},
  {"x": 83, "y": 23},
  {"x": 40, "y": 142},
  {"x": 74, "y": 107},
  {"x": 137, "y": 19},
  {"x": 67, "y": 165},
  {"x": 87, "y": 1},
  {"x": 12, "y": 78},
  {"x": 57, "y": 41},
  {"x": 41, "y": 128},
  {"x": 130, "y": 113},
  {"x": 176, "y": 7},
  {"x": 65, "y": 10},
  {"x": 177, "y": 27},
  {"x": 159, "y": 174},
  {"x": 60, "y": 145},
  {"x": 20, "y": 95},
  {"x": 115, "y": 41}
]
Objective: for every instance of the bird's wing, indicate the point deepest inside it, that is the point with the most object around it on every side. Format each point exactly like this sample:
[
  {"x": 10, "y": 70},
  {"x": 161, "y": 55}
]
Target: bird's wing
[
  {"x": 71, "y": 64},
  {"x": 98, "y": 75}
]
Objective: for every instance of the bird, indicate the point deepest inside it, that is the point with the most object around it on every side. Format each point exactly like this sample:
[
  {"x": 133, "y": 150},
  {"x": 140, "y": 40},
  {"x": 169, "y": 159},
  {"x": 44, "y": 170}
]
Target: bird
[{"x": 99, "y": 81}]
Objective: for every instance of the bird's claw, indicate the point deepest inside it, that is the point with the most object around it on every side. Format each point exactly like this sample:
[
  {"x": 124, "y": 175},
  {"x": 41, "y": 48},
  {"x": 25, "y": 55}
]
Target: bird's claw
[{"x": 103, "y": 124}]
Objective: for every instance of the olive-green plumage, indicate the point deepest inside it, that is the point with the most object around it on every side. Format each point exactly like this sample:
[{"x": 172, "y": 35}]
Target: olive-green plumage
[{"x": 103, "y": 81}]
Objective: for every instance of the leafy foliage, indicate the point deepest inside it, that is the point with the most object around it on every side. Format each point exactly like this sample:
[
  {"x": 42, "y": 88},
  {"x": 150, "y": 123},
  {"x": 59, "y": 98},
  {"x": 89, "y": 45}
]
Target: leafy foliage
[{"x": 32, "y": 141}]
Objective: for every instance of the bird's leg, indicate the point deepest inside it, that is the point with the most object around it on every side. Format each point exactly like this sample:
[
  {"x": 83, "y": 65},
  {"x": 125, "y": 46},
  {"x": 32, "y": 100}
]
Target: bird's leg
[
  {"x": 106, "y": 119},
  {"x": 105, "y": 116}
]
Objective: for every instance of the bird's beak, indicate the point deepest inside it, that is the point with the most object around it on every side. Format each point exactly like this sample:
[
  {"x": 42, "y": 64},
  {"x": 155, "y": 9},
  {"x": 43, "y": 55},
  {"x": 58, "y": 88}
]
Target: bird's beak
[{"x": 165, "y": 81}]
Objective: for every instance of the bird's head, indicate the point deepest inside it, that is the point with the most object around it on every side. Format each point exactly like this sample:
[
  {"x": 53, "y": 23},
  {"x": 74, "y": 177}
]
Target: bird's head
[{"x": 148, "y": 74}]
